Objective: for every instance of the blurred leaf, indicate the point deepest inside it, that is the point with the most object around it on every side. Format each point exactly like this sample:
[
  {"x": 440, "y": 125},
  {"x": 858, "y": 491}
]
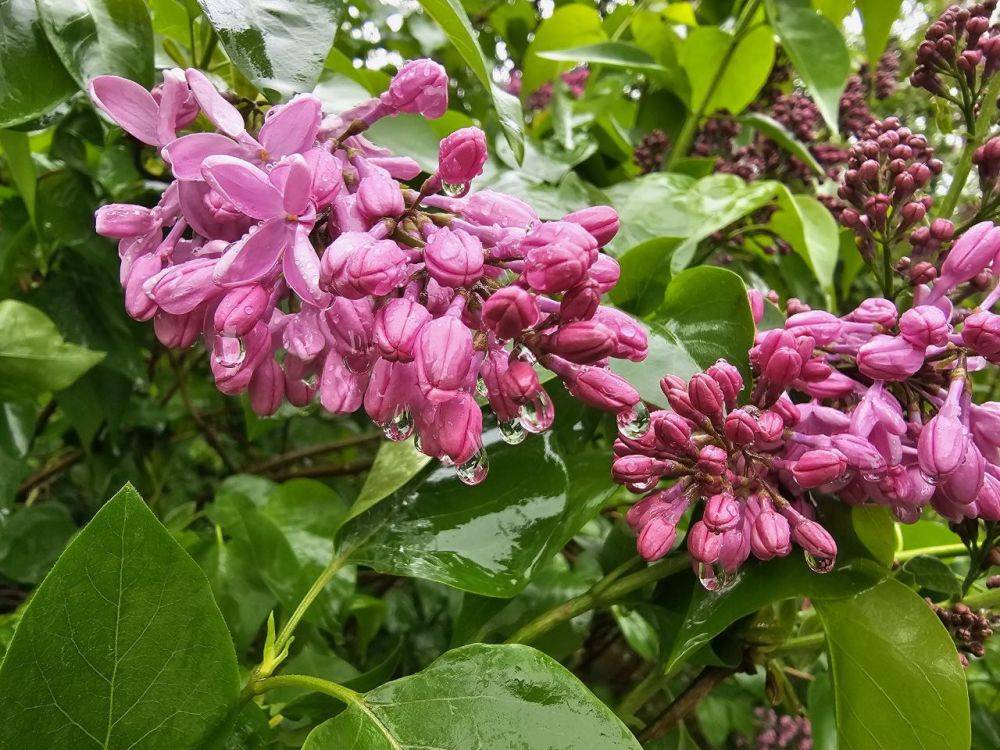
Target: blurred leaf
[
  {"x": 781, "y": 135},
  {"x": 638, "y": 632},
  {"x": 34, "y": 359},
  {"x": 64, "y": 212},
  {"x": 835, "y": 10},
  {"x": 451, "y": 17},
  {"x": 17, "y": 152},
  {"x": 705, "y": 315},
  {"x": 100, "y": 37},
  {"x": 875, "y": 529},
  {"x": 479, "y": 696},
  {"x": 32, "y": 538},
  {"x": 897, "y": 680},
  {"x": 822, "y": 715},
  {"x": 811, "y": 230},
  {"x": 572, "y": 25},
  {"x": 747, "y": 67},
  {"x": 280, "y": 45},
  {"x": 121, "y": 644},
  {"x": 816, "y": 49},
  {"x": 32, "y": 80},
  {"x": 611, "y": 54},
  {"x": 308, "y": 513},
  {"x": 17, "y": 427},
  {"x": 931, "y": 574},
  {"x": 878, "y": 17}
]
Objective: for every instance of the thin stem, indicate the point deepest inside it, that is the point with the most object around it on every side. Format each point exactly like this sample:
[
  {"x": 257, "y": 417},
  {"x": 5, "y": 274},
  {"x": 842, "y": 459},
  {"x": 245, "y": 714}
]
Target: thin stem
[
  {"x": 207, "y": 431},
  {"x": 938, "y": 550},
  {"x": 601, "y": 594},
  {"x": 312, "y": 450},
  {"x": 206, "y": 57},
  {"x": 685, "y": 703},
  {"x": 802, "y": 643},
  {"x": 314, "y": 684}
]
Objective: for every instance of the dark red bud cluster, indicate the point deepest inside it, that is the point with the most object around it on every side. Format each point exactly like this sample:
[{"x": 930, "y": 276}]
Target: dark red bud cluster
[
  {"x": 961, "y": 46},
  {"x": 649, "y": 153},
  {"x": 968, "y": 629}
]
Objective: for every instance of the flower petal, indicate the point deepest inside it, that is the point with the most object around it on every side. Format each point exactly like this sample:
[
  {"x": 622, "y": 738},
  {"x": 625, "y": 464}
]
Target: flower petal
[
  {"x": 187, "y": 153},
  {"x": 298, "y": 186},
  {"x": 301, "y": 270},
  {"x": 254, "y": 257},
  {"x": 191, "y": 196},
  {"x": 243, "y": 185},
  {"x": 128, "y": 104},
  {"x": 221, "y": 113},
  {"x": 173, "y": 93},
  {"x": 291, "y": 128}
]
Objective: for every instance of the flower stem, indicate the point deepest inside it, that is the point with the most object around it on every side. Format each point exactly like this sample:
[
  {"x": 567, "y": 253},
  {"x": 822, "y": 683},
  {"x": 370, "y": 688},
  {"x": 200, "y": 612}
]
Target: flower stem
[
  {"x": 606, "y": 591},
  {"x": 939, "y": 550},
  {"x": 314, "y": 684},
  {"x": 802, "y": 643}
]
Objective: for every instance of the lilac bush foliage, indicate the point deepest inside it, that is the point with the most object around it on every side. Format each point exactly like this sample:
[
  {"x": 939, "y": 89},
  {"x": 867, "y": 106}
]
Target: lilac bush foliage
[{"x": 310, "y": 269}]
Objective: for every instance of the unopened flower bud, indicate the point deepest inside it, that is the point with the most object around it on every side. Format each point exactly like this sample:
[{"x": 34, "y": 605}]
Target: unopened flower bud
[
  {"x": 454, "y": 258},
  {"x": 510, "y": 311},
  {"x": 818, "y": 467}
]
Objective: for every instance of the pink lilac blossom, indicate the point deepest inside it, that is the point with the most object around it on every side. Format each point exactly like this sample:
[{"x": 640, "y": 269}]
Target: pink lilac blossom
[
  {"x": 313, "y": 272},
  {"x": 873, "y": 407}
]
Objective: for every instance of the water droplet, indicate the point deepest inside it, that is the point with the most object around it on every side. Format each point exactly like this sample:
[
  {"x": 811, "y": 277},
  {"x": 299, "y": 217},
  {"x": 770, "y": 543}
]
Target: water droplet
[
  {"x": 634, "y": 421},
  {"x": 644, "y": 486},
  {"x": 358, "y": 363},
  {"x": 454, "y": 189},
  {"x": 481, "y": 390},
  {"x": 310, "y": 379},
  {"x": 230, "y": 351},
  {"x": 538, "y": 413},
  {"x": 871, "y": 475},
  {"x": 819, "y": 564},
  {"x": 713, "y": 577},
  {"x": 399, "y": 427},
  {"x": 417, "y": 444},
  {"x": 475, "y": 469},
  {"x": 512, "y": 432}
]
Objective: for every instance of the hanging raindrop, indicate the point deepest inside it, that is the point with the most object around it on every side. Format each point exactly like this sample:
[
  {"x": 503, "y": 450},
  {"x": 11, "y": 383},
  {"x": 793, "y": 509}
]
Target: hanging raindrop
[
  {"x": 400, "y": 427},
  {"x": 454, "y": 189},
  {"x": 819, "y": 564},
  {"x": 475, "y": 469},
  {"x": 524, "y": 354},
  {"x": 713, "y": 577},
  {"x": 538, "y": 413},
  {"x": 481, "y": 389},
  {"x": 634, "y": 421},
  {"x": 512, "y": 432},
  {"x": 230, "y": 351}
]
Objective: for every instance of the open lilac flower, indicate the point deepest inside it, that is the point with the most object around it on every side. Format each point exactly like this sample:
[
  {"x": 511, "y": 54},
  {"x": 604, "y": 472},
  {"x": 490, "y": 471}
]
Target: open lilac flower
[{"x": 313, "y": 272}]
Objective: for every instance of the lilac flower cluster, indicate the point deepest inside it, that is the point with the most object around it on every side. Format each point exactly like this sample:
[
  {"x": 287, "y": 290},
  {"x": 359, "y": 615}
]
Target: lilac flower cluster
[
  {"x": 959, "y": 53},
  {"x": 310, "y": 269},
  {"x": 886, "y": 78},
  {"x": 649, "y": 152},
  {"x": 781, "y": 732},
  {"x": 539, "y": 99},
  {"x": 882, "y": 413}
]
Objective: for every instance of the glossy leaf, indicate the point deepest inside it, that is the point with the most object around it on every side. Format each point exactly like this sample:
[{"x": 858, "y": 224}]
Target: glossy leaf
[
  {"x": 611, "y": 54},
  {"x": 34, "y": 359},
  {"x": 279, "y": 45},
  {"x": 816, "y": 49},
  {"x": 780, "y": 134},
  {"x": 100, "y": 37},
  {"x": 396, "y": 463},
  {"x": 479, "y": 696},
  {"x": 896, "y": 676},
  {"x": 812, "y": 232},
  {"x": 17, "y": 152},
  {"x": 705, "y": 315},
  {"x": 121, "y": 646},
  {"x": 453, "y": 20},
  {"x": 877, "y": 17},
  {"x": 931, "y": 574},
  {"x": 31, "y": 539},
  {"x": 32, "y": 79},
  {"x": 489, "y": 539},
  {"x": 747, "y": 67}
]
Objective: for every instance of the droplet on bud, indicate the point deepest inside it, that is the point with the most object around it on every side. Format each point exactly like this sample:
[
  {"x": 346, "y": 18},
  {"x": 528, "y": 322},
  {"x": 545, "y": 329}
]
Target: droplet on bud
[
  {"x": 713, "y": 577},
  {"x": 819, "y": 564},
  {"x": 481, "y": 390},
  {"x": 454, "y": 189},
  {"x": 310, "y": 380},
  {"x": 230, "y": 351},
  {"x": 400, "y": 427},
  {"x": 512, "y": 432},
  {"x": 538, "y": 413},
  {"x": 634, "y": 421},
  {"x": 524, "y": 354},
  {"x": 475, "y": 469}
]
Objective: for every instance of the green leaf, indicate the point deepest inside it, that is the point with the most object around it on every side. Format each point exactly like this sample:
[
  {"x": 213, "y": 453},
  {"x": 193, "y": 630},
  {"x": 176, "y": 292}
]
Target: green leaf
[
  {"x": 65, "y": 209},
  {"x": 31, "y": 540},
  {"x": 780, "y": 135},
  {"x": 571, "y": 25},
  {"x": 816, "y": 49},
  {"x": 747, "y": 67},
  {"x": 708, "y": 613},
  {"x": 896, "y": 676},
  {"x": 100, "y": 37},
  {"x": 488, "y": 539},
  {"x": 705, "y": 315},
  {"x": 822, "y": 715},
  {"x": 612, "y": 54},
  {"x": 451, "y": 17},
  {"x": 875, "y": 529},
  {"x": 280, "y": 45},
  {"x": 478, "y": 696},
  {"x": 931, "y": 574},
  {"x": 812, "y": 232},
  {"x": 396, "y": 463},
  {"x": 878, "y": 17},
  {"x": 34, "y": 359},
  {"x": 17, "y": 152},
  {"x": 121, "y": 646},
  {"x": 32, "y": 80}
]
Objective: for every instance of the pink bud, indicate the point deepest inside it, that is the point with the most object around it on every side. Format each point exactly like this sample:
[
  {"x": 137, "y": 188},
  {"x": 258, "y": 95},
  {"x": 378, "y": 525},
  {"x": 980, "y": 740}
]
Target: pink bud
[
  {"x": 770, "y": 535},
  {"x": 963, "y": 485},
  {"x": 520, "y": 382},
  {"x": 703, "y": 544},
  {"x": 120, "y": 220},
  {"x": 389, "y": 390},
  {"x": 875, "y": 310},
  {"x": 420, "y": 88},
  {"x": 583, "y": 342},
  {"x": 630, "y": 337},
  {"x": 379, "y": 195},
  {"x": 454, "y": 258},
  {"x": 489, "y": 208},
  {"x": 770, "y": 425},
  {"x": 722, "y": 512},
  {"x": 602, "y": 389},
  {"x": 787, "y": 410},
  {"x": 729, "y": 380},
  {"x": 712, "y": 460},
  {"x": 971, "y": 253},
  {"x": 355, "y": 265},
  {"x": 137, "y": 302},
  {"x": 672, "y": 430},
  {"x": 557, "y": 256},
  {"x": 397, "y": 325},
  {"x": 267, "y": 388},
  {"x": 605, "y": 272},
  {"x": 461, "y": 156},
  {"x": 341, "y": 391},
  {"x": 734, "y": 550},
  {"x": 580, "y": 302},
  {"x": 817, "y": 467},
  {"x": 635, "y": 469},
  {"x": 443, "y": 355},
  {"x": 815, "y": 540},
  {"x": 941, "y": 445},
  {"x": 889, "y": 358},
  {"x": 601, "y": 221},
  {"x": 706, "y": 396},
  {"x": 741, "y": 427},
  {"x": 459, "y": 423},
  {"x": 860, "y": 453},
  {"x": 656, "y": 538},
  {"x": 178, "y": 331},
  {"x": 240, "y": 309},
  {"x": 510, "y": 311},
  {"x": 783, "y": 366},
  {"x": 756, "y": 300},
  {"x": 822, "y": 326},
  {"x": 923, "y": 326},
  {"x": 981, "y": 333}
]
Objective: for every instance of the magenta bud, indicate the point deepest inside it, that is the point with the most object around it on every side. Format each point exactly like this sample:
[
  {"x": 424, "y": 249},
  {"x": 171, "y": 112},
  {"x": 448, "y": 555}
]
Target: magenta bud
[
  {"x": 734, "y": 550},
  {"x": 818, "y": 467},
  {"x": 454, "y": 258},
  {"x": 120, "y": 220},
  {"x": 981, "y": 333},
  {"x": 397, "y": 325},
  {"x": 783, "y": 366},
  {"x": 770, "y": 425},
  {"x": 971, "y": 253},
  {"x": 557, "y": 256},
  {"x": 443, "y": 355},
  {"x": 785, "y": 408},
  {"x": 941, "y": 445},
  {"x": 756, "y": 300},
  {"x": 601, "y": 221},
  {"x": 923, "y": 326},
  {"x": 889, "y": 358},
  {"x": 712, "y": 460},
  {"x": 583, "y": 342},
  {"x": 137, "y": 303},
  {"x": 580, "y": 302},
  {"x": 509, "y": 311},
  {"x": 722, "y": 512},
  {"x": 421, "y": 88},
  {"x": 459, "y": 423},
  {"x": 603, "y": 389},
  {"x": 672, "y": 430},
  {"x": 635, "y": 469},
  {"x": 461, "y": 156},
  {"x": 770, "y": 535},
  {"x": 815, "y": 540},
  {"x": 379, "y": 196},
  {"x": 875, "y": 310},
  {"x": 729, "y": 380},
  {"x": 630, "y": 337},
  {"x": 741, "y": 427},
  {"x": 822, "y": 326},
  {"x": 177, "y": 331},
  {"x": 704, "y": 544},
  {"x": 520, "y": 382},
  {"x": 656, "y": 538},
  {"x": 239, "y": 310},
  {"x": 267, "y": 388},
  {"x": 355, "y": 265},
  {"x": 605, "y": 272},
  {"x": 489, "y": 208},
  {"x": 963, "y": 485},
  {"x": 860, "y": 453},
  {"x": 706, "y": 396}
]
